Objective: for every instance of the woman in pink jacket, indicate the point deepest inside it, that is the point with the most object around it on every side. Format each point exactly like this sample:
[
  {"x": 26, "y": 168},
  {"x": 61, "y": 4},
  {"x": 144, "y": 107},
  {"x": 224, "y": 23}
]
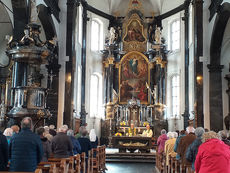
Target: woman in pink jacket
[
  {"x": 213, "y": 155},
  {"x": 161, "y": 141}
]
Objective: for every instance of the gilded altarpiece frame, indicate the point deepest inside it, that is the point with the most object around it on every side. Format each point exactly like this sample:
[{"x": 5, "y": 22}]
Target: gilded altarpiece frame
[
  {"x": 134, "y": 73},
  {"x": 134, "y": 34}
]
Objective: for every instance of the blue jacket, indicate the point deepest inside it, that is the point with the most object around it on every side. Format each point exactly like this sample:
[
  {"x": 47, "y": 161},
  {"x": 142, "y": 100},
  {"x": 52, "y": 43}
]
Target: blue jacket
[
  {"x": 85, "y": 145},
  {"x": 192, "y": 151},
  {"x": 76, "y": 145},
  {"x": 3, "y": 152},
  {"x": 25, "y": 152},
  {"x": 176, "y": 145}
]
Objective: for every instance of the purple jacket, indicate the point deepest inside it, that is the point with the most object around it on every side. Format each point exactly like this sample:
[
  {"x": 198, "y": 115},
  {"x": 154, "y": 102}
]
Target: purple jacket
[{"x": 161, "y": 142}]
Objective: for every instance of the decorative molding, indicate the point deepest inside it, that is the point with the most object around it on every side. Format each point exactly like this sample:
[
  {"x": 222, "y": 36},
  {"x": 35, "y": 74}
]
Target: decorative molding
[
  {"x": 215, "y": 68},
  {"x": 111, "y": 60}
]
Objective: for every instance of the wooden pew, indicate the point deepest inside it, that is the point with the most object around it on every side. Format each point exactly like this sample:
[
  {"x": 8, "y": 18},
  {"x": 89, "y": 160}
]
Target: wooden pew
[
  {"x": 83, "y": 165},
  {"x": 64, "y": 163},
  {"x": 90, "y": 162},
  {"x": 77, "y": 162},
  {"x": 48, "y": 167},
  {"x": 189, "y": 168},
  {"x": 38, "y": 171},
  {"x": 96, "y": 161},
  {"x": 103, "y": 155}
]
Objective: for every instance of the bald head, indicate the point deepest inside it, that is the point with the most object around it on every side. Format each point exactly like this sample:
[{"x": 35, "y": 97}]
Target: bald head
[{"x": 26, "y": 123}]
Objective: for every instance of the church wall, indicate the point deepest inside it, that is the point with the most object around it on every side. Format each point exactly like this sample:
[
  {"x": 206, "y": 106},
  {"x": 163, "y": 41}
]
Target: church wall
[
  {"x": 175, "y": 64},
  {"x": 225, "y": 60},
  {"x": 94, "y": 64}
]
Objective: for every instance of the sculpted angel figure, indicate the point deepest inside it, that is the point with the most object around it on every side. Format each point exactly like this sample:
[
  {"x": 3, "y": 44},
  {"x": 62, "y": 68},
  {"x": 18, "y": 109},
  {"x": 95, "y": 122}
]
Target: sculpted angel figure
[
  {"x": 112, "y": 35},
  {"x": 158, "y": 35}
]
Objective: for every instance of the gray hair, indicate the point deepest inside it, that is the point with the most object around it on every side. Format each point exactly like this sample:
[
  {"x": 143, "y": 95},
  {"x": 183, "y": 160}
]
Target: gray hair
[
  {"x": 70, "y": 133},
  {"x": 27, "y": 123},
  {"x": 52, "y": 126},
  {"x": 163, "y": 131},
  {"x": 199, "y": 132},
  {"x": 175, "y": 134},
  {"x": 81, "y": 129},
  {"x": 209, "y": 135},
  {"x": 223, "y": 134},
  {"x": 170, "y": 135},
  {"x": 63, "y": 129}
]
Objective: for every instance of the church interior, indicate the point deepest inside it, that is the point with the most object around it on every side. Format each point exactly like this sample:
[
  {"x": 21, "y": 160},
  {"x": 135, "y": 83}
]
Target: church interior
[{"x": 125, "y": 68}]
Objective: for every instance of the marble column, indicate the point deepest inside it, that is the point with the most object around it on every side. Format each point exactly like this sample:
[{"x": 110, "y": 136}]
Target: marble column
[
  {"x": 83, "y": 65},
  {"x": 110, "y": 75},
  {"x": 152, "y": 83},
  {"x": 186, "y": 61},
  {"x": 106, "y": 69},
  {"x": 198, "y": 65},
  {"x": 215, "y": 95}
]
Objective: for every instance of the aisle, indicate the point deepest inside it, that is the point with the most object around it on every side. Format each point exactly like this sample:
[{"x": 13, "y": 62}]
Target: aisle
[{"x": 130, "y": 168}]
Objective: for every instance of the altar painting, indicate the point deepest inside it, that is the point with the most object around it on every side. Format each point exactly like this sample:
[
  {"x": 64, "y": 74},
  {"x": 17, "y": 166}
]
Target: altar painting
[
  {"x": 134, "y": 32},
  {"x": 134, "y": 74}
]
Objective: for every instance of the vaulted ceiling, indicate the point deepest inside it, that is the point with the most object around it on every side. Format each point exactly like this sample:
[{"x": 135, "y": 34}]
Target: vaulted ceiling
[{"x": 120, "y": 7}]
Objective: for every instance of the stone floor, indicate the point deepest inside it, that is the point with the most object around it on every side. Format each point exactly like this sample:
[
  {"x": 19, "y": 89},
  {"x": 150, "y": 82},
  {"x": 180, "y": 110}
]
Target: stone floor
[{"x": 130, "y": 168}]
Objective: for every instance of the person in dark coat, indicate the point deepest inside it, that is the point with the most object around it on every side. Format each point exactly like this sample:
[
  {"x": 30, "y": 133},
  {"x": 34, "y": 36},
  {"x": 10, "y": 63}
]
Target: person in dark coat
[
  {"x": 26, "y": 149},
  {"x": 61, "y": 144},
  {"x": 3, "y": 152},
  {"x": 184, "y": 144},
  {"x": 75, "y": 142},
  {"x": 52, "y": 130},
  {"x": 85, "y": 143},
  {"x": 182, "y": 134},
  {"x": 45, "y": 143},
  {"x": 193, "y": 148}
]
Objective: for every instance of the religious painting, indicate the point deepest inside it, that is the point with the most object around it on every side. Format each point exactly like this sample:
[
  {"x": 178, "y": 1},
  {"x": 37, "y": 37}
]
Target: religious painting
[
  {"x": 134, "y": 32},
  {"x": 133, "y": 76}
]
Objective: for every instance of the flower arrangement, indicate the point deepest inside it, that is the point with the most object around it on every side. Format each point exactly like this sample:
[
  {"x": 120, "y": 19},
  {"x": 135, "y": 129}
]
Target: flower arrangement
[
  {"x": 123, "y": 123},
  {"x": 118, "y": 134}
]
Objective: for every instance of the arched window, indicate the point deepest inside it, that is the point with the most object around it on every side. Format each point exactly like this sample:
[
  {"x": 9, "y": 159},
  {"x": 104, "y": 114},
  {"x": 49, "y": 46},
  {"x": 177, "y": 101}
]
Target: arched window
[
  {"x": 96, "y": 96},
  {"x": 175, "y": 96},
  {"x": 96, "y": 35},
  {"x": 175, "y": 35}
]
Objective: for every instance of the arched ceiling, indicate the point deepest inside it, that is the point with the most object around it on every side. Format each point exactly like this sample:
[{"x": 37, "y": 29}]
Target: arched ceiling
[{"x": 119, "y": 7}]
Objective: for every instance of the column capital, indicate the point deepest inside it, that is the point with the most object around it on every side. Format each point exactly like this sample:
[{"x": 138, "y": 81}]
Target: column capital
[
  {"x": 106, "y": 64},
  {"x": 117, "y": 65},
  {"x": 215, "y": 68},
  {"x": 111, "y": 60}
]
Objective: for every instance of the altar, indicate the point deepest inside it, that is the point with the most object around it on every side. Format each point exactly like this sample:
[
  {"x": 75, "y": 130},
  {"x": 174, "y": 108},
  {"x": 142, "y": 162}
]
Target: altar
[
  {"x": 124, "y": 143},
  {"x": 134, "y": 77}
]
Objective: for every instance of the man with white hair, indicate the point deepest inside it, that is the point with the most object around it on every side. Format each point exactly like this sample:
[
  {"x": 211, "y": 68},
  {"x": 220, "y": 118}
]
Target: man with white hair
[
  {"x": 185, "y": 142},
  {"x": 61, "y": 144}
]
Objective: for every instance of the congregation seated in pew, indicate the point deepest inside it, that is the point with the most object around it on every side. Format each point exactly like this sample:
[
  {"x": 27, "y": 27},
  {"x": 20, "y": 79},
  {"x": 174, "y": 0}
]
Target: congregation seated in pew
[{"x": 205, "y": 153}]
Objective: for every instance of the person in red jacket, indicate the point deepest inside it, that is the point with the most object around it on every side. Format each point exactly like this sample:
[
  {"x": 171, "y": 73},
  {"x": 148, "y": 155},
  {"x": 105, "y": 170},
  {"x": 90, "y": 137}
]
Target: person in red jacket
[{"x": 213, "y": 155}]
